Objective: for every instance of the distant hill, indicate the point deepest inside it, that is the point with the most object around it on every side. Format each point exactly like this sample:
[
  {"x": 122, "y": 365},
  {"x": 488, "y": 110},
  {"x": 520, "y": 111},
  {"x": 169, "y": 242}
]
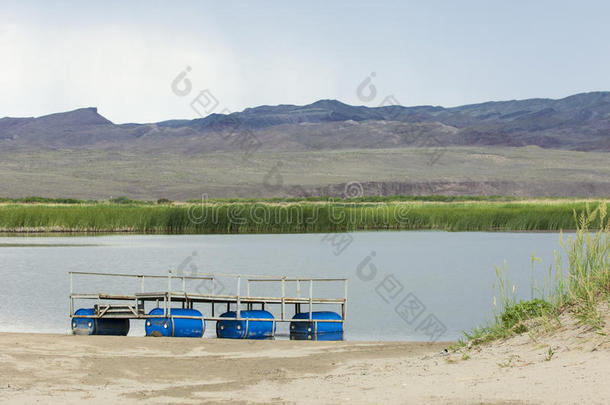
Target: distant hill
[
  {"x": 536, "y": 147},
  {"x": 579, "y": 122}
]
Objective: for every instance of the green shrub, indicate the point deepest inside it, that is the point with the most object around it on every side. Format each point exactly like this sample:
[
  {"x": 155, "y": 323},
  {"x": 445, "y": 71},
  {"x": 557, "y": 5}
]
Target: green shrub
[
  {"x": 524, "y": 310},
  {"x": 122, "y": 200}
]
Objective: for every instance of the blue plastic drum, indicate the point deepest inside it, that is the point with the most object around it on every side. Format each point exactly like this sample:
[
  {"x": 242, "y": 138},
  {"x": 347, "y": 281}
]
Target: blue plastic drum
[
  {"x": 317, "y": 330},
  {"x": 242, "y": 329},
  {"x": 173, "y": 326},
  {"x": 98, "y": 326},
  {"x": 328, "y": 336}
]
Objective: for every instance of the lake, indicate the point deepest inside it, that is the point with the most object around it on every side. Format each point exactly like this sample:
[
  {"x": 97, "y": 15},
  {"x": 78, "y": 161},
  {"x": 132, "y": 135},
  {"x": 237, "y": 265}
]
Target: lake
[{"x": 398, "y": 281}]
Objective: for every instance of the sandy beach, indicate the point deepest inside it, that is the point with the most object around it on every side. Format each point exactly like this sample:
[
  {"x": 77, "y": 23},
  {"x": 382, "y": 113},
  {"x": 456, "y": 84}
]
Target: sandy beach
[{"x": 38, "y": 368}]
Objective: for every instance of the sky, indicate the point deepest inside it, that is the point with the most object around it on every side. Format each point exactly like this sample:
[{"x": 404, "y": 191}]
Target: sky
[{"x": 126, "y": 58}]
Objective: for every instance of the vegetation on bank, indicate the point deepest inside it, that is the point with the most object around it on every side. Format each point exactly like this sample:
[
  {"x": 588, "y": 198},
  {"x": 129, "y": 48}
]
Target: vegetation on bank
[
  {"x": 298, "y": 217},
  {"x": 579, "y": 288},
  {"x": 362, "y": 199},
  {"x": 45, "y": 200},
  {"x": 371, "y": 198}
]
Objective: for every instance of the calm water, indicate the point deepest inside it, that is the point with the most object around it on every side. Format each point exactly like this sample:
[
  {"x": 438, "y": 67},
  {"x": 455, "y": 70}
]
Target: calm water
[{"x": 399, "y": 282}]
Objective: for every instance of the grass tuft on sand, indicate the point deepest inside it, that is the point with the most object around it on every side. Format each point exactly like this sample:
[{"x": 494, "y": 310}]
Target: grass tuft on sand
[{"x": 579, "y": 287}]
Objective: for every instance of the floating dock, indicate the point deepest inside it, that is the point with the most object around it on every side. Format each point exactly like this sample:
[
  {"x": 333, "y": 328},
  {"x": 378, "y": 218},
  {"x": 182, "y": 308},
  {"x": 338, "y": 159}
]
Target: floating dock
[{"x": 181, "y": 295}]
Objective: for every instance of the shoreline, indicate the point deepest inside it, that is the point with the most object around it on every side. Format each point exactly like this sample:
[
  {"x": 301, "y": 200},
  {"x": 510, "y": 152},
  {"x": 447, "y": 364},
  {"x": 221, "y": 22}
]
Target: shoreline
[
  {"x": 109, "y": 369},
  {"x": 77, "y": 233}
]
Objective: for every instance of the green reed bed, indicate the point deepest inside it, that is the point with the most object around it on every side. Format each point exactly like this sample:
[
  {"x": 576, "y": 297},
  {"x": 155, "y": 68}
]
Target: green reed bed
[{"x": 288, "y": 217}]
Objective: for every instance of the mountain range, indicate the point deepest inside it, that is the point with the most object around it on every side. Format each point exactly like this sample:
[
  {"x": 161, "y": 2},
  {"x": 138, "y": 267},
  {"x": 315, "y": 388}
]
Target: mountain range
[
  {"x": 535, "y": 147},
  {"x": 579, "y": 122}
]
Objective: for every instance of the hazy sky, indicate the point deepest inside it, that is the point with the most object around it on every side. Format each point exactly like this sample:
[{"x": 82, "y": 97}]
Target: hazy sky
[{"x": 123, "y": 56}]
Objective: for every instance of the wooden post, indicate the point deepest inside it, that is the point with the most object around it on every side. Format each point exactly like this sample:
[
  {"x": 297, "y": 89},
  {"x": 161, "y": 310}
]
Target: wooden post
[
  {"x": 344, "y": 306},
  {"x": 310, "y": 298},
  {"x": 237, "y": 310},
  {"x": 71, "y": 299},
  {"x": 283, "y": 296},
  {"x": 168, "y": 301}
]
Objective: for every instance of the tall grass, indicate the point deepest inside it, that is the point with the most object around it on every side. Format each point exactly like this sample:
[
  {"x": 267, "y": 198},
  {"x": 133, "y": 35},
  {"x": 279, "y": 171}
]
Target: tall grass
[
  {"x": 588, "y": 278},
  {"x": 287, "y": 217},
  {"x": 578, "y": 289}
]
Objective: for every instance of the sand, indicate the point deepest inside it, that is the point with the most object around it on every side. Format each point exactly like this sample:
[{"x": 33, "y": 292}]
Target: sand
[{"x": 100, "y": 369}]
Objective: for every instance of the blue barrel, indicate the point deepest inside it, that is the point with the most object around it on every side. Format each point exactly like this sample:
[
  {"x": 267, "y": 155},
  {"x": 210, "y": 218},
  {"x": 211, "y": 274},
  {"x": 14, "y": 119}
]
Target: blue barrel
[
  {"x": 98, "y": 326},
  {"x": 175, "y": 327},
  {"x": 233, "y": 329},
  {"x": 317, "y": 330},
  {"x": 320, "y": 336}
]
